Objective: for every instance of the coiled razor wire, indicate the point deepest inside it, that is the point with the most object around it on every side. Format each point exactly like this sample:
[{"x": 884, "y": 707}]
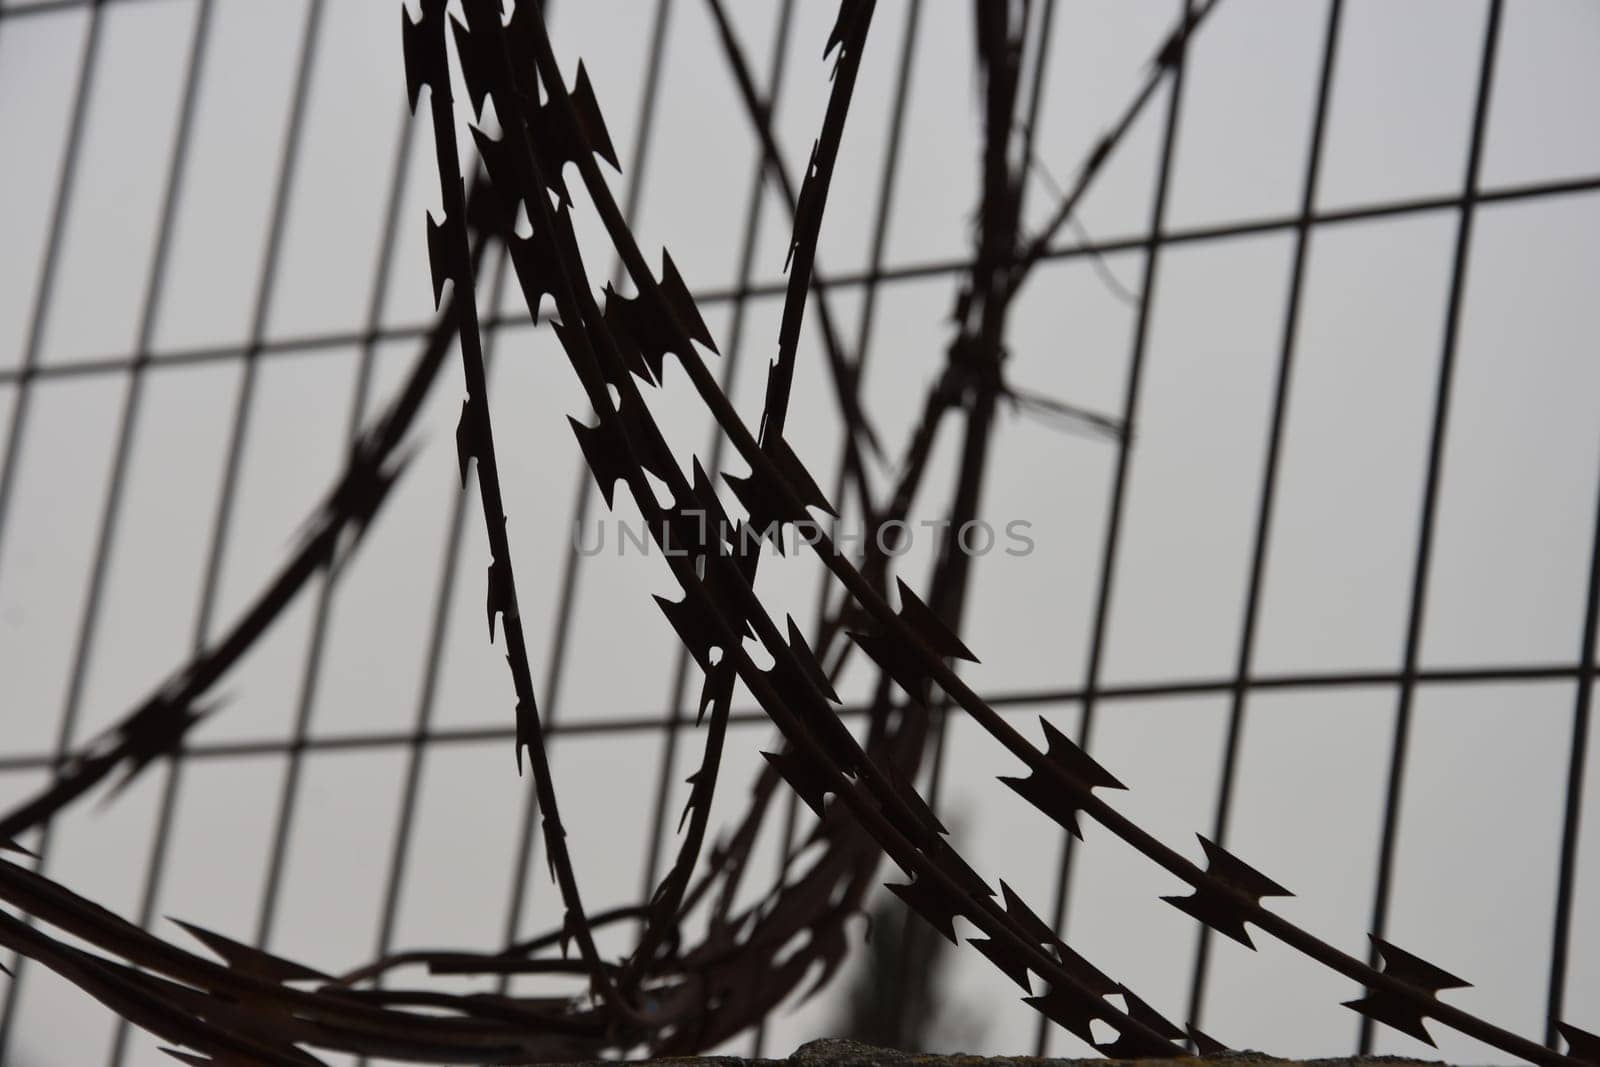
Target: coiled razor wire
[{"x": 669, "y": 995}]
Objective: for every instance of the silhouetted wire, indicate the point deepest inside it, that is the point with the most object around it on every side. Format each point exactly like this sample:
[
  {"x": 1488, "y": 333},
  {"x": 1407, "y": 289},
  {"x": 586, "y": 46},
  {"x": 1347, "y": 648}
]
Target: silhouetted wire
[
  {"x": 883, "y": 213},
  {"x": 844, "y": 477},
  {"x": 1041, "y": 68},
  {"x": 527, "y": 831},
  {"x": 1421, "y": 569},
  {"x": 377, "y": 299},
  {"x": 155, "y": 286},
  {"x": 1567, "y": 872},
  {"x": 428, "y": 689},
  {"x": 1267, "y": 492},
  {"x": 1041, "y": 72},
  {"x": 378, "y": 296},
  {"x": 998, "y": 139},
  {"x": 428, "y": 65},
  {"x": 1111, "y": 539},
  {"x": 733, "y": 348},
  {"x": 16, "y": 10},
  {"x": 66, "y": 183},
  {"x": 427, "y": 696},
  {"x": 1172, "y": 51},
  {"x": 316, "y": 645},
  {"x": 1060, "y": 415},
  {"x": 1113, "y": 284},
  {"x": 572, "y": 564},
  {"x": 841, "y": 373},
  {"x": 1000, "y": 213},
  {"x": 913, "y": 936},
  {"x": 1011, "y": 701},
  {"x": 245, "y": 404},
  {"x": 214, "y": 658},
  {"x": 1238, "y": 686},
  {"x": 890, "y": 823},
  {"x": 555, "y": 674},
  {"x": 809, "y": 205},
  {"x": 845, "y": 474},
  {"x": 327, "y": 341}
]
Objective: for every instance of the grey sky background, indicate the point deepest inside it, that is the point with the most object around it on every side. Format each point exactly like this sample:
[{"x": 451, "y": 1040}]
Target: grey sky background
[{"x": 1475, "y": 884}]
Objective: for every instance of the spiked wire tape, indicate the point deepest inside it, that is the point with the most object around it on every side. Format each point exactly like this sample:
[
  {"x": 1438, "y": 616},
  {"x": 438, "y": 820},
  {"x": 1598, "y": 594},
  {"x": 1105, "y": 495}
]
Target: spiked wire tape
[{"x": 254, "y": 1007}]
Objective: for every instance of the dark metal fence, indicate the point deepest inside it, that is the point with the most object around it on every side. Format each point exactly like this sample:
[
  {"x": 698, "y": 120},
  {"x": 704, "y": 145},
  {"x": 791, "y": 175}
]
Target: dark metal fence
[{"x": 370, "y": 330}]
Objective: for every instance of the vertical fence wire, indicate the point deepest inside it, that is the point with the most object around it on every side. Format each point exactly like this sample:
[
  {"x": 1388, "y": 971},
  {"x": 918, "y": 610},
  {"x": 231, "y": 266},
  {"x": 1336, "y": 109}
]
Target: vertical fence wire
[
  {"x": 316, "y": 646},
  {"x": 1112, "y": 537},
  {"x": 66, "y": 182},
  {"x": 1567, "y": 872},
  {"x": 572, "y": 563},
  {"x": 417, "y": 749},
  {"x": 1268, "y": 493},
  {"x": 1384, "y": 881},
  {"x": 882, "y": 215},
  {"x": 156, "y": 864},
  {"x": 675, "y": 719},
  {"x": 267, "y": 284},
  {"x": 433, "y": 662},
  {"x": 943, "y": 705},
  {"x": 941, "y": 710},
  {"x": 378, "y": 297},
  {"x": 311, "y": 668}
]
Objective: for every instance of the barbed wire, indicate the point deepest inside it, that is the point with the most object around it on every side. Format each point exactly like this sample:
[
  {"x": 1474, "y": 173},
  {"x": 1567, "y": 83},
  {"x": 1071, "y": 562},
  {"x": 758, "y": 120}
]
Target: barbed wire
[{"x": 670, "y": 996}]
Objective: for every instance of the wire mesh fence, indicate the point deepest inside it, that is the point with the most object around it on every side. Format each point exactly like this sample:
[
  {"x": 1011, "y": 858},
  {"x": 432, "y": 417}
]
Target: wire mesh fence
[{"x": 198, "y": 352}]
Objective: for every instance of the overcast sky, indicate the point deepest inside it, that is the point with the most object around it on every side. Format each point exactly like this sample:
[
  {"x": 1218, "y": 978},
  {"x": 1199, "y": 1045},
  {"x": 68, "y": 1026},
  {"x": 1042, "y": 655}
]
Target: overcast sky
[{"x": 1475, "y": 883}]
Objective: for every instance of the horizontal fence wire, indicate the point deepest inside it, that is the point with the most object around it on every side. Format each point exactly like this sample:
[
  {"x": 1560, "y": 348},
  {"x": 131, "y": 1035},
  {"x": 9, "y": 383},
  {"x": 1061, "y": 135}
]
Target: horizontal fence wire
[
  {"x": 1018, "y": 700},
  {"x": 844, "y": 280}
]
